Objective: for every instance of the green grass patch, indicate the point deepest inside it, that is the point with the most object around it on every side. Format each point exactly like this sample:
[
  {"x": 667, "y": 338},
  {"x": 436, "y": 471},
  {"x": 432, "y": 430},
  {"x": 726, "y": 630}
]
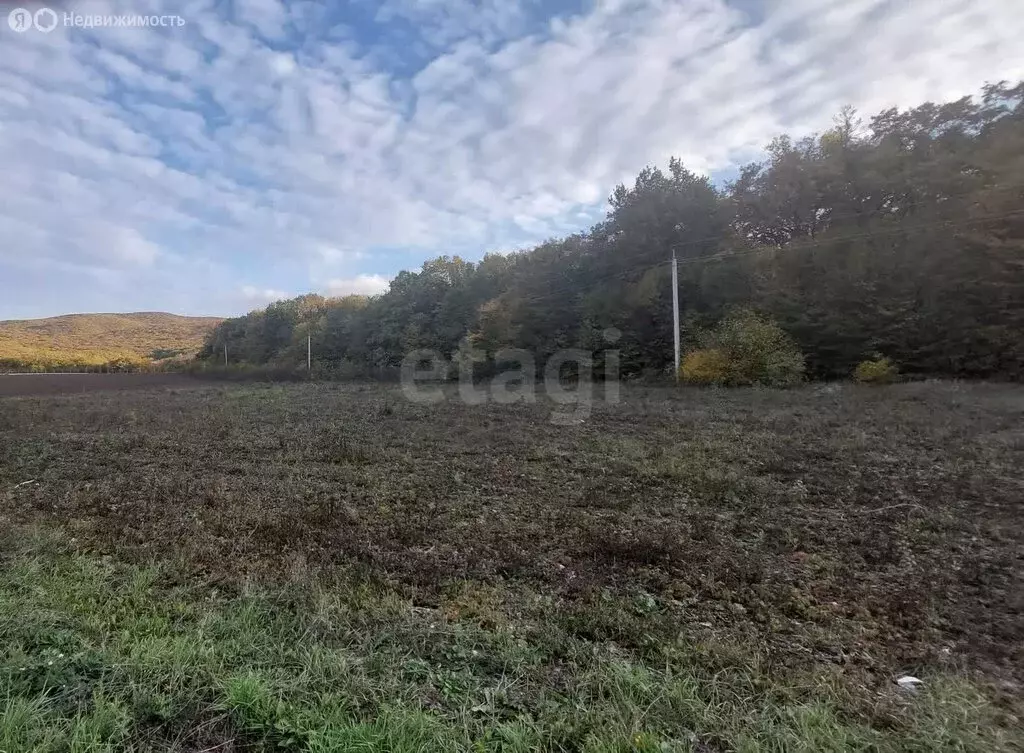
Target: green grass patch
[{"x": 102, "y": 656}]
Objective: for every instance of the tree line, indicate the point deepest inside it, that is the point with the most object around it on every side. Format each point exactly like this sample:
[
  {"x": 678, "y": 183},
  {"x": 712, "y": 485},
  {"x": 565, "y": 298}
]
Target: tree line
[
  {"x": 901, "y": 237},
  {"x": 47, "y": 361}
]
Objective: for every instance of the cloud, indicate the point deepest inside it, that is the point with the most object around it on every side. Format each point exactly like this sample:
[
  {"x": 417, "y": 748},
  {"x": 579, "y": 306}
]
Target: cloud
[
  {"x": 268, "y": 17},
  {"x": 310, "y": 146},
  {"x": 359, "y": 285},
  {"x": 443, "y": 22},
  {"x": 253, "y": 294}
]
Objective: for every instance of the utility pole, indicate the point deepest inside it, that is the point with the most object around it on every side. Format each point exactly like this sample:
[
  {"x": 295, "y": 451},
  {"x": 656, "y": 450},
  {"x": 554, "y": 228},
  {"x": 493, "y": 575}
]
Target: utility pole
[
  {"x": 309, "y": 352},
  {"x": 675, "y": 310},
  {"x": 225, "y": 354}
]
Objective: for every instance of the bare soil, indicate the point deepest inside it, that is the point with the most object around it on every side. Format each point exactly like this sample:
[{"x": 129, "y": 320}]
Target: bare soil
[
  {"x": 871, "y": 530},
  {"x": 62, "y": 384}
]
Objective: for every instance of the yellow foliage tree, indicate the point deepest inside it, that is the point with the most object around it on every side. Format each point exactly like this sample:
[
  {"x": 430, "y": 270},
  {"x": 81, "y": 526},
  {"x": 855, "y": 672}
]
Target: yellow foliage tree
[{"x": 705, "y": 366}]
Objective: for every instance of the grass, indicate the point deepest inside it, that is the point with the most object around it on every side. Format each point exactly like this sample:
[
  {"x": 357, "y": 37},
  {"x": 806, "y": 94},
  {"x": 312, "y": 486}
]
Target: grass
[
  {"x": 323, "y": 567},
  {"x": 106, "y": 657}
]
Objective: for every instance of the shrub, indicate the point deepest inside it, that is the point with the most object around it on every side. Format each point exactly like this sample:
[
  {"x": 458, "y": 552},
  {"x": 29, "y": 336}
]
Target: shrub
[
  {"x": 705, "y": 366},
  {"x": 876, "y": 371},
  {"x": 750, "y": 350}
]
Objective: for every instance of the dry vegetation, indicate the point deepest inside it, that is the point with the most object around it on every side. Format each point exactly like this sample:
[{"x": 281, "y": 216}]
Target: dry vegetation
[
  {"x": 331, "y": 567},
  {"x": 95, "y": 339}
]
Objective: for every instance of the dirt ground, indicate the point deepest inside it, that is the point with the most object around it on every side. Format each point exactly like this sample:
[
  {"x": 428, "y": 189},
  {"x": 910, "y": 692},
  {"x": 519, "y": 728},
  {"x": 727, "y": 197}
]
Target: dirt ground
[
  {"x": 871, "y": 530},
  {"x": 62, "y": 384}
]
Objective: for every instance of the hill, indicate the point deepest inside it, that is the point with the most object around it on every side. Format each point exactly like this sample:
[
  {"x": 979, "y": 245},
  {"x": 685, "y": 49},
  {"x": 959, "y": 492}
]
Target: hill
[{"x": 100, "y": 339}]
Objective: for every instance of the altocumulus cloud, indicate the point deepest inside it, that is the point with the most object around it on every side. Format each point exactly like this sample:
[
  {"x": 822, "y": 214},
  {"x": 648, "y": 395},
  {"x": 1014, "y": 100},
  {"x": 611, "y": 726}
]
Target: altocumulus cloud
[{"x": 305, "y": 147}]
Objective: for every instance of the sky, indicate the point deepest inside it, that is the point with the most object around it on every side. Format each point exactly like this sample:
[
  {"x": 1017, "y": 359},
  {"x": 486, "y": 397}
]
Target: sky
[{"x": 252, "y": 150}]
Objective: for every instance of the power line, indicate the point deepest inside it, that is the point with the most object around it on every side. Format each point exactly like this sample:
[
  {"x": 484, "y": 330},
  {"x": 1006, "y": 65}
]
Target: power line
[
  {"x": 573, "y": 289},
  {"x": 885, "y": 211},
  {"x": 761, "y": 249},
  {"x": 880, "y": 211},
  {"x": 798, "y": 246}
]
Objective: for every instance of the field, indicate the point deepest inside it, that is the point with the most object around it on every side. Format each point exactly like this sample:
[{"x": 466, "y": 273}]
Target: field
[
  {"x": 63, "y": 384},
  {"x": 332, "y": 567}
]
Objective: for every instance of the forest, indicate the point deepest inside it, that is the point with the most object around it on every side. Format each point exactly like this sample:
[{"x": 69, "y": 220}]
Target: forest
[
  {"x": 899, "y": 238},
  {"x": 141, "y": 341}
]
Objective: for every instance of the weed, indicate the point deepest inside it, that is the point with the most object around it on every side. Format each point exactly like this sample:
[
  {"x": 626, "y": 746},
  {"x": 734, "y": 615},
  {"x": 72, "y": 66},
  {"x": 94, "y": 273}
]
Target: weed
[{"x": 279, "y": 568}]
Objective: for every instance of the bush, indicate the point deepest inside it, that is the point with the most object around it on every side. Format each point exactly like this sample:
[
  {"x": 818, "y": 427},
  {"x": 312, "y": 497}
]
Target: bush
[
  {"x": 749, "y": 349},
  {"x": 876, "y": 371},
  {"x": 705, "y": 366}
]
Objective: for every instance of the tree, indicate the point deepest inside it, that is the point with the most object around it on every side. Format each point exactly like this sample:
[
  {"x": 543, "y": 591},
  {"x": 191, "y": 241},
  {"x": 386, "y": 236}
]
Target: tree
[{"x": 904, "y": 237}]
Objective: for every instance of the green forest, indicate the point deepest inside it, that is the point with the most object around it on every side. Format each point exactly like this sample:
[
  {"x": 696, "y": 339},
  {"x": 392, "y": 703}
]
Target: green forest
[{"x": 897, "y": 237}]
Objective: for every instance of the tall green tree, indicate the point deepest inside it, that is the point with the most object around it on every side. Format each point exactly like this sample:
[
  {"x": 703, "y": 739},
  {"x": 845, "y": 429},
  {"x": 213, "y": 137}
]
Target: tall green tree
[{"x": 901, "y": 236}]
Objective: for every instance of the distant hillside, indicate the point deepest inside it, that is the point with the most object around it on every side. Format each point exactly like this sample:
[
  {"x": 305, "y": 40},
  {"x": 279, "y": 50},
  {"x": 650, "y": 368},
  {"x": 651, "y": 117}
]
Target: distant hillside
[{"x": 99, "y": 339}]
